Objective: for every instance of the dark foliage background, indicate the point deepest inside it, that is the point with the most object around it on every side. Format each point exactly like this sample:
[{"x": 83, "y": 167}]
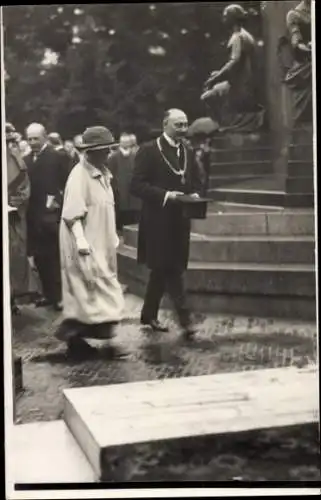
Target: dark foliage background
[{"x": 121, "y": 65}]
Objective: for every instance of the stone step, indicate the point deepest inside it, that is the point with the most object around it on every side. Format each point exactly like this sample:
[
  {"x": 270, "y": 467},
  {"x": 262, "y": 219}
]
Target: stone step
[
  {"x": 286, "y": 223},
  {"x": 292, "y": 280},
  {"x": 263, "y": 306},
  {"x": 241, "y": 141},
  {"x": 225, "y": 180},
  {"x": 301, "y": 168},
  {"x": 46, "y": 452},
  {"x": 232, "y": 208},
  {"x": 300, "y": 184},
  {"x": 301, "y": 152},
  {"x": 254, "y": 154},
  {"x": 302, "y": 135},
  {"x": 114, "y": 424},
  {"x": 262, "y": 197},
  {"x": 262, "y": 167},
  {"x": 238, "y": 249}
]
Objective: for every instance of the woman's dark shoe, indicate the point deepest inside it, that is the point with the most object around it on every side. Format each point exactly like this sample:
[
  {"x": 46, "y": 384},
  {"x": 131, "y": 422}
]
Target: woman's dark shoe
[
  {"x": 69, "y": 329},
  {"x": 100, "y": 331},
  {"x": 155, "y": 325},
  {"x": 77, "y": 348}
]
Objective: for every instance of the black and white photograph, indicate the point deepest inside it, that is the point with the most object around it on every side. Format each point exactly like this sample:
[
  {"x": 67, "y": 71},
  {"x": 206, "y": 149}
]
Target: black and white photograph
[{"x": 160, "y": 292}]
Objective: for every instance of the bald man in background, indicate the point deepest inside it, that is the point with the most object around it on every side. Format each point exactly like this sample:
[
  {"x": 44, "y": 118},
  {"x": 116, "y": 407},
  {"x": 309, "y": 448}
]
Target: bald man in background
[
  {"x": 165, "y": 168},
  {"x": 48, "y": 172}
]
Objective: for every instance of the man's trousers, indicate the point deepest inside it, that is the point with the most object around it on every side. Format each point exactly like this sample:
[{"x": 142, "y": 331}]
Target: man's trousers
[
  {"x": 47, "y": 261},
  {"x": 163, "y": 281}
]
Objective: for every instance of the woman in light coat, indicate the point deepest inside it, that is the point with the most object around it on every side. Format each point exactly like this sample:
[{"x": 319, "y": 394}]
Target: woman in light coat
[{"x": 92, "y": 296}]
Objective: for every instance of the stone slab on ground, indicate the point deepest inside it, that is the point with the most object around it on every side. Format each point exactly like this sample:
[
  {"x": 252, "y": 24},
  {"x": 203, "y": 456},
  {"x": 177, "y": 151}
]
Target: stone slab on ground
[
  {"x": 46, "y": 452},
  {"x": 225, "y": 344},
  {"x": 104, "y": 419}
]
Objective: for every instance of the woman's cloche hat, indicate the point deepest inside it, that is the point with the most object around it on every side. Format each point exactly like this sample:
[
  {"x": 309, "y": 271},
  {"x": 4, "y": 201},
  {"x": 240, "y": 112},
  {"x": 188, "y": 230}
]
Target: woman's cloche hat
[{"x": 96, "y": 138}]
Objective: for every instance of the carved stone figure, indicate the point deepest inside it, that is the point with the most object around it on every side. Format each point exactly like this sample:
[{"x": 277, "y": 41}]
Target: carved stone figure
[
  {"x": 295, "y": 58},
  {"x": 231, "y": 93}
]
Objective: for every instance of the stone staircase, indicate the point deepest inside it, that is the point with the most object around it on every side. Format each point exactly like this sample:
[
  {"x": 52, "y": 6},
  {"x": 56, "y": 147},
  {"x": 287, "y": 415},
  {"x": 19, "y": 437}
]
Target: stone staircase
[
  {"x": 252, "y": 263},
  {"x": 242, "y": 171},
  {"x": 238, "y": 157}
]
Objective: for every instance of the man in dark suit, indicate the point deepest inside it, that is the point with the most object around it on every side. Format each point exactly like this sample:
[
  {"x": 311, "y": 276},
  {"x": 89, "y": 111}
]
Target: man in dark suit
[
  {"x": 121, "y": 164},
  {"x": 48, "y": 172},
  {"x": 56, "y": 142},
  {"x": 164, "y": 169}
]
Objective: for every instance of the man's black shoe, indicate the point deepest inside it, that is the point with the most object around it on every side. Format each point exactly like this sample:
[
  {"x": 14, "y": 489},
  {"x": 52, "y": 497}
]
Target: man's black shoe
[{"x": 155, "y": 325}]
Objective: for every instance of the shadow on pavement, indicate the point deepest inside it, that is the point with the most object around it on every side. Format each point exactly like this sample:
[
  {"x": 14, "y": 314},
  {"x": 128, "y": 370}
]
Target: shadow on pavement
[{"x": 106, "y": 353}]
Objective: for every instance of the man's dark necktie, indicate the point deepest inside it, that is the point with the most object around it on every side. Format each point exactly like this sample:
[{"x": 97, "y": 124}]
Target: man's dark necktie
[{"x": 180, "y": 154}]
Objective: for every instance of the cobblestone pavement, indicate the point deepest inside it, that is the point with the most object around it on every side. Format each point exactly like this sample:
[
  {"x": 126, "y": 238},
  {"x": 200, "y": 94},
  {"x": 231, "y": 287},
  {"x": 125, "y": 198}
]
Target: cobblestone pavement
[{"x": 224, "y": 344}]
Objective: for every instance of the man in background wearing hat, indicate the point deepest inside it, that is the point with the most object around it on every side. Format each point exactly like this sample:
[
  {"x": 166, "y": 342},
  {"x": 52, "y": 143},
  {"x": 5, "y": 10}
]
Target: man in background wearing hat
[
  {"x": 48, "y": 173},
  {"x": 92, "y": 296},
  {"x": 165, "y": 169}
]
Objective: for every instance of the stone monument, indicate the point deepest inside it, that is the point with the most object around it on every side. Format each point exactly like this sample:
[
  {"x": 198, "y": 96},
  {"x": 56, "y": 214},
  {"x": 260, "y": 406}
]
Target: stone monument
[
  {"x": 295, "y": 56},
  {"x": 231, "y": 94},
  {"x": 287, "y": 27}
]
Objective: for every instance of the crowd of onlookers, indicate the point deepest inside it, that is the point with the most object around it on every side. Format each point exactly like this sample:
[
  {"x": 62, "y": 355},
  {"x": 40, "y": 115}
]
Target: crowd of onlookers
[
  {"x": 68, "y": 203},
  {"x": 39, "y": 165}
]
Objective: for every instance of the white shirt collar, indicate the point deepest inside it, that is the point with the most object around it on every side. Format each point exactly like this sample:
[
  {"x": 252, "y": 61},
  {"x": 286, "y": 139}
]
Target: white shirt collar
[{"x": 170, "y": 141}]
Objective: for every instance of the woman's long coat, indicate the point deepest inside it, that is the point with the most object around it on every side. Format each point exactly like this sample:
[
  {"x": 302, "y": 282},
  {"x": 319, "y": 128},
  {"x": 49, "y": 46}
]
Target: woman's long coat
[
  {"x": 164, "y": 232},
  {"x": 18, "y": 196}
]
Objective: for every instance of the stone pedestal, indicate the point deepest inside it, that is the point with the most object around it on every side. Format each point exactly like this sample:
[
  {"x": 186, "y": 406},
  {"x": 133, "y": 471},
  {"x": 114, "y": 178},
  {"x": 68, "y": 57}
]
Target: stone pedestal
[{"x": 293, "y": 170}]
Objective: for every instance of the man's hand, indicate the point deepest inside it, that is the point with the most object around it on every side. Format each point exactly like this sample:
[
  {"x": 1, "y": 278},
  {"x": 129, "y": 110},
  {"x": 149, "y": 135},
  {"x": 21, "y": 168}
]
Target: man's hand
[
  {"x": 86, "y": 265},
  {"x": 195, "y": 195},
  {"x": 211, "y": 78},
  {"x": 172, "y": 195},
  {"x": 32, "y": 264},
  {"x": 51, "y": 203}
]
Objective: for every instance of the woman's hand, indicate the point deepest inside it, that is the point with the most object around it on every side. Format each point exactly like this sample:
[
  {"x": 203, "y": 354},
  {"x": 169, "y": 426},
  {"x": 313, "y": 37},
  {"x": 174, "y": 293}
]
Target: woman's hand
[
  {"x": 86, "y": 264},
  {"x": 83, "y": 246}
]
